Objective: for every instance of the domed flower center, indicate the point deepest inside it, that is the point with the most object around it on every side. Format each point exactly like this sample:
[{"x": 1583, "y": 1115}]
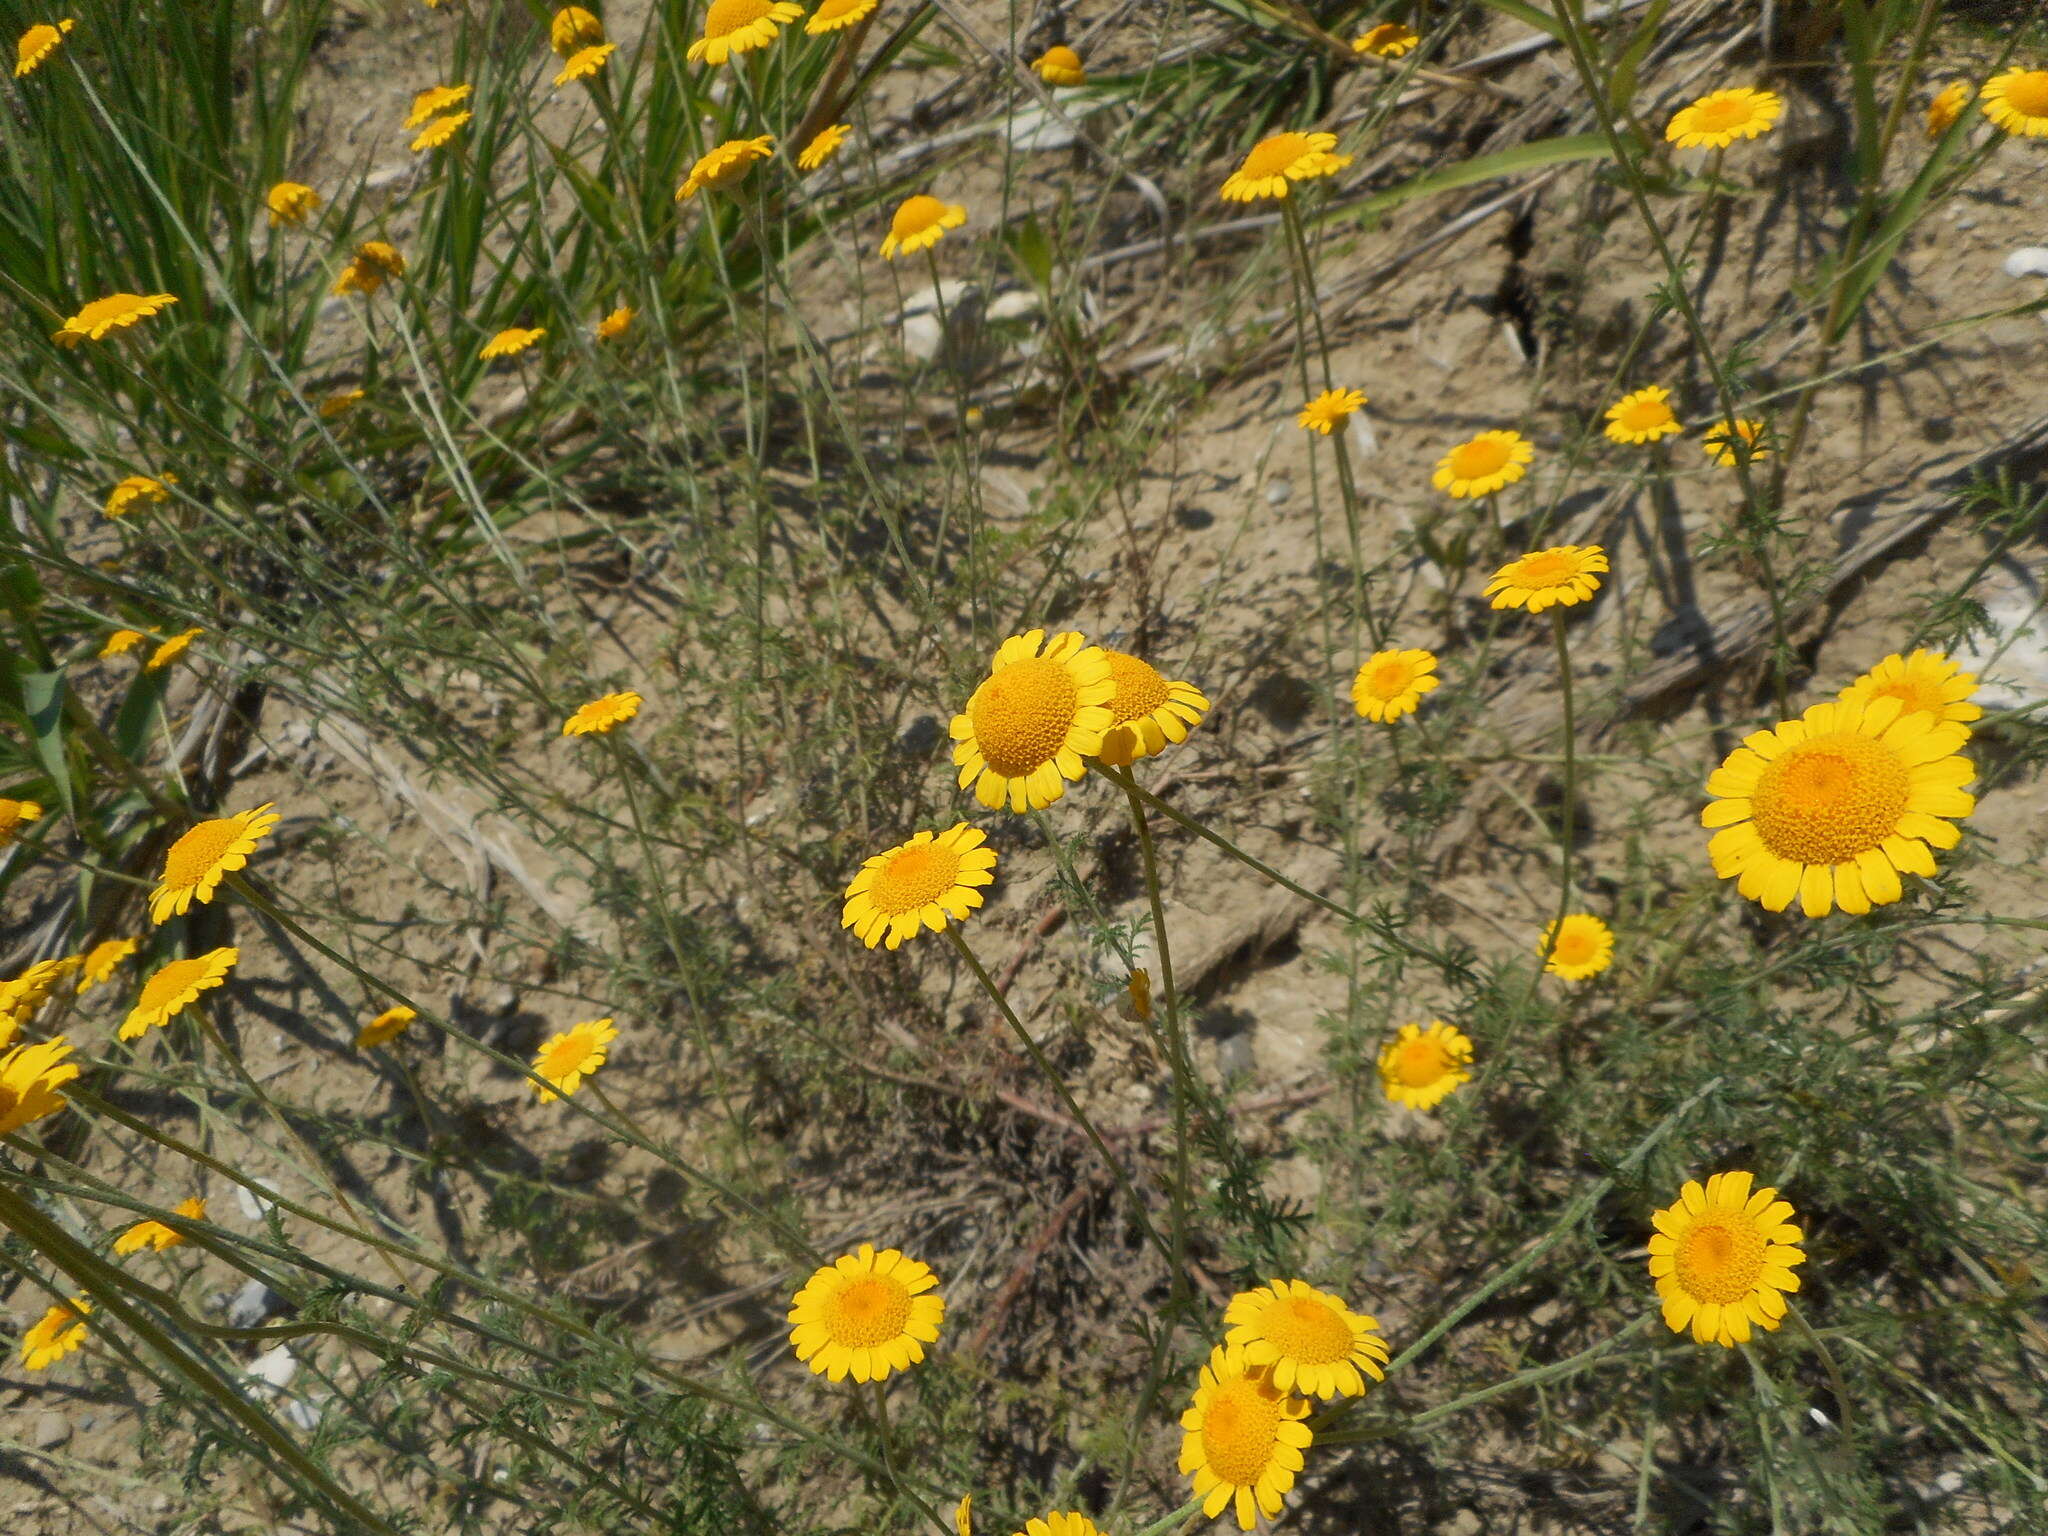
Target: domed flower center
[
  {"x": 566, "y": 1055},
  {"x": 172, "y": 982},
  {"x": 1022, "y": 715},
  {"x": 916, "y": 877},
  {"x": 1240, "y": 1430},
  {"x": 1419, "y": 1063},
  {"x": 1573, "y": 947},
  {"x": 1643, "y": 415},
  {"x": 1390, "y": 678},
  {"x": 1271, "y": 157},
  {"x": 917, "y": 215},
  {"x": 1139, "y": 687},
  {"x": 1545, "y": 568},
  {"x": 1718, "y": 114},
  {"x": 1306, "y": 1330},
  {"x": 2029, "y": 93},
  {"x": 727, "y": 16},
  {"x": 199, "y": 851},
  {"x": 1720, "y": 1260},
  {"x": 1830, "y": 798},
  {"x": 868, "y": 1313},
  {"x": 1479, "y": 458}
]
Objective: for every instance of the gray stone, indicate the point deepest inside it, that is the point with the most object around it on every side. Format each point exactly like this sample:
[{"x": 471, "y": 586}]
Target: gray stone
[
  {"x": 51, "y": 1430},
  {"x": 253, "y": 1303}
]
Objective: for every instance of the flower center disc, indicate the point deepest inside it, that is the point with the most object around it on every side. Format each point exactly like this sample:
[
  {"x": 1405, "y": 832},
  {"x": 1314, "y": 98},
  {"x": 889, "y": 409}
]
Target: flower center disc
[
  {"x": 199, "y": 851},
  {"x": 2029, "y": 93},
  {"x": 1720, "y": 1260},
  {"x": 868, "y": 1313},
  {"x": 914, "y": 878},
  {"x": 1239, "y": 1429},
  {"x": 1419, "y": 1063},
  {"x": 1830, "y": 798},
  {"x": 1271, "y": 157},
  {"x": 1391, "y": 678},
  {"x": 1573, "y": 948},
  {"x": 1547, "y": 568},
  {"x": 1022, "y": 714},
  {"x": 567, "y": 1056},
  {"x": 1478, "y": 459},
  {"x": 1720, "y": 116},
  {"x": 1307, "y": 1330},
  {"x": 1139, "y": 687},
  {"x": 170, "y": 982},
  {"x": 730, "y": 15},
  {"x": 1641, "y": 415}
]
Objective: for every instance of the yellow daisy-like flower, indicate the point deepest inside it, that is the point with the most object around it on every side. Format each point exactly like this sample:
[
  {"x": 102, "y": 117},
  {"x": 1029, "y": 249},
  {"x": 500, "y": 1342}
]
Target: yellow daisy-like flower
[
  {"x": 963, "y": 1515},
  {"x": 171, "y": 650},
  {"x": 1388, "y": 40},
  {"x": 60, "y": 1331},
  {"x": 1062, "y": 1523},
  {"x": 101, "y": 961},
  {"x": 1719, "y": 118},
  {"x": 30, "y": 1076},
  {"x": 1044, "y": 706},
  {"x": 866, "y": 1314},
  {"x": 823, "y": 146},
  {"x": 837, "y": 15},
  {"x": 1947, "y": 106},
  {"x": 1309, "y": 1339},
  {"x": 1391, "y": 684},
  {"x": 384, "y": 1028},
  {"x": 1834, "y": 806},
  {"x": 1926, "y": 682},
  {"x": 121, "y": 642},
  {"x": 1331, "y": 409},
  {"x": 176, "y": 987},
  {"x": 1576, "y": 948},
  {"x": 602, "y": 715},
  {"x": 1484, "y": 464},
  {"x": 122, "y": 498},
  {"x": 1421, "y": 1067},
  {"x": 615, "y": 324},
  {"x": 1723, "y": 1257},
  {"x": 740, "y": 26},
  {"x": 585, "y": 63},
  {"x": 1280, "y": 159},
  {"x": 291, "y": 202},
  {"x": 1642, "y": 417},
  {"x": 14, "y": 815},
  {"x": 572, "y": 29},
  {"x": 724, "y": 164},
  {"x": 1549, "y": 578},
  {"x": 366, "y": 272},
  {"x": 340, "y": 403},
  {"x": 922, "y": 883},
  {"x": 1060, "y": 65},
  {"x": 116, "y": 312},
  {"x": 1244, "y": 1437},
  {"x": 37, "y": 44},
  {"x": 154, "y": 1234},
  {"x": 21, "y": 997},
  {"x": 1719, "y": 442},
  {"x": 196, "y": 862},
  {"x": 564, "y": 1060},
  {"x": 2017, "y": 101},
  {"x": 439, "y": 131},
  {"x": 510, "y": 342},
  {"x": 433, "y": 101},
  {"x": 1147, "y": 711},
  {"x": 921, "y": 222}
]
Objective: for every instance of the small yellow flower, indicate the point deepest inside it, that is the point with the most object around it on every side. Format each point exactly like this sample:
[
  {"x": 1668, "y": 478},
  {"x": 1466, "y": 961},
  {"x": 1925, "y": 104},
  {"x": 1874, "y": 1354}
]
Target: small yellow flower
[
  {"x": 963, "y": 1515},
  {"x": 122, "y": 498},
  {"x": 1719, "y": 442},
  {"x": 37, "y": 44},
  {"x": 823, "y": 146},
  {"x": 572, "y": 29},
  {"x": 1243, "y": 1438},
  {"x": 339, "y": 403},
  {"x": 60, "y": 1331},
  {"x": 14, "y": 815},
  {"x": 1332, "y": 408},
  {"x": 920, "y": 223},
  {"x": 433, "y": 101},
  {"x": 102, "y": 959},
  {"x": 197, "y": 861},
  {"x": 30, "y": 1076},
  {"x": 291, "y": 202},
  {"x": 1484, "y": 464},
  {"x": 176, "y": 987},
  {"x": 1421, "y": 1067},
  {"x": 154, "y": 1234},
  {"x": 2017, "y": 101},
  {"x": 170, "y": 650},
  {"x": 1147, "y": 711},
  {"x": 1947, "y": 106},
  {"x": 1042, "y": 710},
  {"x": 866, "y": 1315},
  {"x": 1391, "y": 684},
  {"x": 1642, "y": 417},
  {"x": 366, "y": 272},
  {"x": 121, "y": 642},
  {"x": 602, "y": 715},
  {"x": 1723, "y": 1258},
  {"x": 21, "y": 997},
  {"x": 1283, "y": 158},
  {"x": 615, "y": 324},
  {"x": 585, "y": 63},
  {"x": 741, "y": 26},
  {"x": 1309, "y": 1339},
  {"x": 1549, "y": 578},
  {"x": 564, "y": 1060},
  {"x": 1583, "y": 946},
  {"x": 1060, "y": 65},
  {"x": 1720, "y": 118},
  {"x": 439, "y": 131},
  {"x": 1926, "y": 682},
  {"x": 724, "y": 164},
  {"x": 510, "y": 342},
  {"x": 837, "y": 15},
  {"x": 1388, "y": 40},
  {"x": 924, "y": 883},
  {"x": 115, "y": 312},
  {"x": 387, "y": 1026}
]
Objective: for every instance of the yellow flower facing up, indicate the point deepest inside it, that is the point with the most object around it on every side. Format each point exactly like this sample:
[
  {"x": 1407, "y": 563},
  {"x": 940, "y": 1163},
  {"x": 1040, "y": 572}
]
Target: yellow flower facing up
[
  {"x": 55, "y": 1335},
  {"x": 823, "y": 146},
  {"x": 1422, "y": 1066},
  {"x": 924, "y": 883},
  {"x": 510, "y": 342},
  {"x": 1926, "y": 682},
  {"x": 122, "y": 499},
  {"x": 1833, "y": 807},
  {"x": 602, "y": 715},
  {"x": 1243, "y": 1438},
  {"x": 1310, "y": 1341},
  {"x": 1947, "y": 106},
  {"x": 16, "y": 814},
  {"x": 573, "y": 29},
  {"x": 116, "y": 312},
  {"x": 724, "y": 164},
  {"x": 196, "y": 862},
  {"x": 171, "y": 650},
  {"x": 440, "y": 132},
  {"x": 585, "y": 63},
  {"x": 1719, "y": 118},
  {"x": 1722, "y": 1257},
  {"x": 1147, "y": 711},
  {"x": 1642, "y": 417},
  {"x": 838, "y": 15},
  {"x": 154, "y": 1234},
  {"x": 384, "y": 1028},
  {"x": 1577, "y": 947},
  {"x": 1042, "y": 710},
  {"x": 2017, "y": 101},
  {"x": 616, "y": 324},
  {"x": 176, "y": 987},
  {"x": 121, "y": 642},
  {"x": 37, "y": 44},
  {"x": 1329, "y": 410},
  {"x": 1276, "y": 162},
  {"x": 373, "y": 264},
  {"x": 1729, "y": 443},
  {"x": 30, "y": 1077},
  {"x": 1388, "y": 40},
  {"x": 740, "y": 26},
  {"x": 290, "y": 202},
  {"x": 1549, "y": 578},
  {"x": 1485, "y": 464},
  {"x": 102, "y": 960},
  {"x": 564, "y": 1060},
  {"x": 433, "y": 101},
  {"x": 1060, "y": 65},
  {"x": 1391, "y": 684},
  {"x": 920, "y": 223},
  {"x": 865, "y": 1315}
]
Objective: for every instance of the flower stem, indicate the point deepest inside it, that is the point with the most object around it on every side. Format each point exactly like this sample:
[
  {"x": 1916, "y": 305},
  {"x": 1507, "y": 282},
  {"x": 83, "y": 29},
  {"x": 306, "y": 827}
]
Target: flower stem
[{"x": 1568, "y": 812}]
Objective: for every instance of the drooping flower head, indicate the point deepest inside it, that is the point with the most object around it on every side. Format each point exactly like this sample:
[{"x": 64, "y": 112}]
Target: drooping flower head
[
  {"x": 564, "y": 1060},
  {"x": 1642, "y": 417},
  {"x": 930, "y": 880},
  {"x": 2017, "y": 101},
  {"x": 176, "y": 987},
  {"x": 510, "y": 342},
  {"x": 740, "y": 26},
  {"x": 196, "y": 861},
  {"x": 724, "y": 164},
  {"x": 585, "y": 63},
  {"x": 1730, "y": 443},
  {"x": 171, "y": 650},
  {"x": 1719, "y": 118},
  {"x": 1546, "y": 578},
  {"x": 572, "y": 29},
  {"x": 16, "y": 814},
  {"x": 55, "y": 1335},
  {"x": 1147, "y": 711},
  {"x": 865, "y": 1315},
  {"x": 615, "y": 324},
  {"x": 30, "y": 1077},
  {"x": 1485, "y": 464},
  {"x": 1275, "y": 162},
  {"x": 1947, "y": 106},
  {"x": 1422, "y": 1066},
  {"x": 919, "y": 223},
  {"x": 1331, "y": 409},
  {"x": 440, "y": 131},
  {"x": 37, "y": 44},
  {"x": 1388, "y": 40},
  {"x": 1722, "y": 1257},
  {"x": 1577, "y": 947},
  {"x": 373, "y": 263},
  {"x": 602, "y": 715},
  {"x": 157, "y": 1236},
  {"x": 823, "y": 146},
  {"x": 1044, "y": 707},
  {"x": 1926, "y": 682},
  {"x": 291, "y": 202},
  {"x": 1391, "y": 684},
  {"x": 384, "y": 1028},
  {"x": 102, "y": 960},
  {"x": 1311, "y": 1342},
  {"x": 1060, "y": 65},
  {"x": 838, "y": 15},
  {"x": 433, "y": 101},
  {"x": 116, "y": 312},
  {"x": 1242, "y": 1438}
]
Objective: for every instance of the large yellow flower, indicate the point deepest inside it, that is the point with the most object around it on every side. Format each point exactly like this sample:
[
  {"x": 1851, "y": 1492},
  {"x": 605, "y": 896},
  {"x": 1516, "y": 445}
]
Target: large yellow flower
[
  {"x": 823, "y": 146},
  {"x": 603, "y": 715},
  {"x": 564, "y": 1060},
  {"x": 1832, "y": 807},
  {"x": 838, "y": 15},
  {"x": 440, "y": 131},
  {"x": 1947, "y": 106},
  {"x": 1578, "y": 947},
  {"x": 131, "y": 489},
  {"x": 1388, "y": 40},
  {"x": 121, "y": 642},
  {"x": 176, "y": 987},
  {"x": 55, "y": 1335},
  {"x": 584, "y": 63},
  {"x": 572, "y": 29},
  {"x": 1484, "y": 464},
  {"x": 1422, "y": 1067},
  {"x": 117, "y": 311},
  {"x": 171, "y": 650},
  {"x": 510, "y": 342},
  {"x": 1549, "y": 578},
  {"x": 2017, "y": 101},
  {"x": 1244, "y": 1437},
  {"x": 100, "y": 961},
  {"x": 1391, "y": 684},
  {"x": 1926, "y": 682},
  {"x": 617, "y": 323},
  {"x": 30, "y": 1076},
  {"x": 433, "y": 101},
  {"x": 386, "y": 1027},
  {"x": 1642, "y": 417},
  {"x": 1719, "y": 118},
  {"x": 740, "y": 26},
  {"x": 1147, "y": 711},
  {"x": 919, "y": 223},
  {"x": 1063, "y": 1523},
  {"x": 155, "y": 1235},
  {"x": 1060, "y": 65},
  {"x": 16, "y": 814},
  {"x": 1309, "y": 1339},
  {"x": 366, "y": 272},
  {"x": 1044, "y": 707},
  {"x": 291, "y": 202},
  {"x": 37, "y": 44},
  {"x": 921, "y": 883},
  {"x": 1276, "y": 161},
  {"x": 1722, "y": 1257},
  {"x": 196, "y": 862},
  {"x": 724, "y": 164},
  {"x": 866, "y": 1314}
]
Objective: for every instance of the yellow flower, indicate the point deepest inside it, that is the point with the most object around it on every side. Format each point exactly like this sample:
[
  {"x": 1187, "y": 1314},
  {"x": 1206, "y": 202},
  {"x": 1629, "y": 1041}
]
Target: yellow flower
[
  {"x": 122, "y": 498},
  {"x": 922, "y": 883},
  {"x": 121, "y": 642},
  {"x": 724, "y": 164},
  {"x": 585, "y": 62},
  {"x": 836, "y": 15},
  {"x": 60, "y": 1331},
  {"x": 37, "y": 44},
  {"x": 572, "y": 29},
  {"x": 373, "y": 262},
  {"x": 963, "y": 1515},
  {"x": 387, "y": 1026},
  {"x": 740, "y": 26},
  {"x": 14, "y": 814},
  {"x": 1583, "y": 947},
  {"x": 1719, "y": 442},
  {"x": 433, "y": 101},
  {"x": 170, "y": 650},
  {"x": 1833, "y": 806},
  {"x": 291, "y": 202},
  {"x": 1332, "y": 408},
  {"x": 1947, "y": 106},
  {"x": 339, "y": 403},
  {"x": 30, "y": 1076},
  {"x": 1421, "y": 1067},
  {"x": 1060, "y": 65},
  {"x": 1926, "y": 682},
  {"x": 510, "y": 343},
  {"x": 1044, "y": 706},
  {"x": 564, "y": 1060},
  {"x": 1309, "y": 1339},
  {"x": 1484, "y": 464},
  {"x": 1391, "y": 684},
  {"x": 101, "y": 960},
  {"x": 1388, "y": 40},
  {"x": 21, "y": 997},
  {"x": 1548, "y": 578},
  {"x": 2017, "y": 101},
  {"x": 439, "y": 131},
  {"x": 1642, "y": 417},
  {"x": 614, "y": 325},
  {"x": 176, "y": 987},
  {"x": 1060, "y": 1523},
  {"x": 1722, "y": 1258},
  {"x": 115, "y": 312},
  {"x": 1280, "y": 159},
  {"x": 602, "y": 715},
  {"x": 866, "y": 1314},
  {"x": 1244, "y": 1437},
  {"x": 823, "y": 146},
  {"x": 154, "y": 1234},
  {"x": 1146, "y": 711},
  {"x": 1720, "y": 118},
  {"x": 921, "y": 222},
  {"x": 196, "y": 862}
]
